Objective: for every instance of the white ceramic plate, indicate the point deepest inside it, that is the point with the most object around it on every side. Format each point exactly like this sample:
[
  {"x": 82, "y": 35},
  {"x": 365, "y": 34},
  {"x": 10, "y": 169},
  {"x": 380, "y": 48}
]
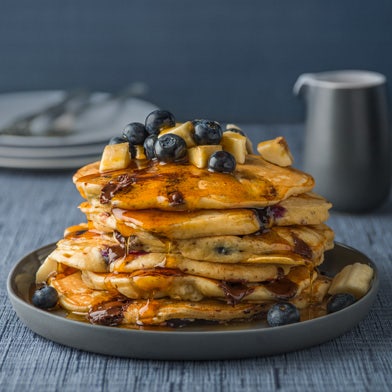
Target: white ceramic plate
[{"x": 190, "y": 343}]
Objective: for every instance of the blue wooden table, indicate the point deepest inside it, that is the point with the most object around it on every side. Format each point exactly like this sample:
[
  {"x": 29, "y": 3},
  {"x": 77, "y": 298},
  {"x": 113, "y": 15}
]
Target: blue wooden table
[{"x": 35, "y": 209}]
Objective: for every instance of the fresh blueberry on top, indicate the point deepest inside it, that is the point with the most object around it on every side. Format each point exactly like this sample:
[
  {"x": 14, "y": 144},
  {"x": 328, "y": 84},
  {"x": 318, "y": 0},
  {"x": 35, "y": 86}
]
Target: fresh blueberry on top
[
  {"x": 170, "y": 148},
  {"x": 159, "y": 119},
  {"x": 339, "y": 301},
  {"x": 45, "y": 297},
  {"x": 235, "y": 130},
  {"x": 207, "y": 132},
  {"x": 117, "y": 140},
  {"x": 222, "y": 162},
  {"x": 135, "y": 133},
  {"x": 282, "y": 313},
  {"x": 149, "y": 146}
]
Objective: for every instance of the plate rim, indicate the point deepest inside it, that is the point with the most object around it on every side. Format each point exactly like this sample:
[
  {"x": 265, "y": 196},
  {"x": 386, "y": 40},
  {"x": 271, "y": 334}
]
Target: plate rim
[
  {"x": 185, "y": 335},
  {"x": 48, "y": 164},
  {"x": 52, "y": 141}
]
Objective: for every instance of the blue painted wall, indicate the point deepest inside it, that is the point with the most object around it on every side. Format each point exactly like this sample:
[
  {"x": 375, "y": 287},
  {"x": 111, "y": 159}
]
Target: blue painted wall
[{"x": 227, "y": 60}]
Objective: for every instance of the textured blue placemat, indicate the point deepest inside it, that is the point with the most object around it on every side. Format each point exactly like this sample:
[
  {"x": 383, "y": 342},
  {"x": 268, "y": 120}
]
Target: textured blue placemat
[{"x": 35, "y": 209}]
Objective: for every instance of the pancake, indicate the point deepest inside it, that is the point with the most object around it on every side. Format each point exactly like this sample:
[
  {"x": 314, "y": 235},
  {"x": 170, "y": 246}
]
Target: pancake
[
  {"x": 267, "y": 267},
  {"x": 75, "y": 296},
  {"x": 169, "y": 313},
  {"x": 108, "y": 308},
  {"x": 184, "y": 187},
  {"x": 257, "y": 268},
  {"x": 94, "y": 251},
  {"x": 305, "y": 209},
  {"x": 166, "y": 283},
  {"x": 82, "y": 250},
  {"x": 170, "y": 283},
  {"x": 309, "y": 242},
  {"x": 166, "y": 312}
]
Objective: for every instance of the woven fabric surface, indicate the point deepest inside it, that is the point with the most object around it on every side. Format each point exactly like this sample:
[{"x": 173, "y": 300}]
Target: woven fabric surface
[{"x": 35, "y": 209}]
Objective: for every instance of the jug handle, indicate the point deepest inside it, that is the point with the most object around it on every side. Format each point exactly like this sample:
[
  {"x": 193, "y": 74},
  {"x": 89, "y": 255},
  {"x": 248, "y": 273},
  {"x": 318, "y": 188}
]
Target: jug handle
[{"x": 303, "y": 80}]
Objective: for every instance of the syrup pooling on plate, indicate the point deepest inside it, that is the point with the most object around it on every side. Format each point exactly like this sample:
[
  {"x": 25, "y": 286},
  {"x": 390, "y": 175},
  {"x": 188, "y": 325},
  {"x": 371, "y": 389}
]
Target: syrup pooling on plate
[{"x": 185, "y": 224}]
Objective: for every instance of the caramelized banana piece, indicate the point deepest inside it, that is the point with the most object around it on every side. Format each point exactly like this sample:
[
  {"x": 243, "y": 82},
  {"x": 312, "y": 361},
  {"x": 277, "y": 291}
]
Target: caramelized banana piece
[
  {"x": 199, "y": 155},
  {"x": 235, "y": 144},
  {"x": 115, "y": 157},
  {"x": 353, "y": 279},
  {"x": 276, "y": 151},
  {"x": 184, "y": 130},
  {"x": 47, "y": 268},
  {"x": 249, "y": 145}
]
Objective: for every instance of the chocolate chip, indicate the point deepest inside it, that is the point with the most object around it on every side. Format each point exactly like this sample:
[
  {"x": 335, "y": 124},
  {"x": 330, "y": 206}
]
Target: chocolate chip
[
  {"x": 175, "y": 198},
  {"x": 109, "y": 313},
  {"x": 235, "y": 291},
  {"x": 109, "y": 190},
  {"x": 301, "y": 247}
]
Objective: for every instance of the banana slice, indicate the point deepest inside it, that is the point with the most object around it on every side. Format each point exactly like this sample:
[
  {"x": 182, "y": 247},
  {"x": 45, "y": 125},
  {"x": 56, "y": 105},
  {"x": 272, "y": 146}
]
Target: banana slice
[
  {"x": 115, "y": 157},
  {"x": 249, "y": 145},
  {"x": 235, "y": 144},
  {"x": 48, "y": 267},
  {"x": 353, "y": 279},
  {"x": 199, "y": 155},
  {"x": 184, "y": 130},
  {"x": 139, "y": 152},
  {"x": 76, "y": 296},
  {"x": 276, "y": 151}
]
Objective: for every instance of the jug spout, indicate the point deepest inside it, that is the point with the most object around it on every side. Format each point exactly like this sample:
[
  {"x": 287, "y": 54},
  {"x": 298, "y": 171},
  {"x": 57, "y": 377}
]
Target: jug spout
[{"x": 302, "y": 81}]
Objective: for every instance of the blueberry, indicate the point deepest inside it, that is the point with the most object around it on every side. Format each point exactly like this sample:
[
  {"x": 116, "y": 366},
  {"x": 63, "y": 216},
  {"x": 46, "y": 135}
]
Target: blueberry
[
  {"x": 45, "y": 297},
  {"x": 117, "y": 140},
  {"x": 235, "y": 130},
  {"x": 221, "y": 161},
  {"x": 207, "y": 132},
  {"x": 135, "y": 133},
  {"x": 281, "y": 314},
  {"x": 149, "y": 146},
  {"x": 159, "y": 119},
  {"x": 223, "y": 250},
  {"x": 170, "y": 148},
  {"x": 339, "y": 301}
]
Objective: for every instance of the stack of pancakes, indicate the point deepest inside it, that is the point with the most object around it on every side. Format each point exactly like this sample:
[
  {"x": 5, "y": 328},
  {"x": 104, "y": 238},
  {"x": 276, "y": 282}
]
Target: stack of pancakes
[{"x": 170, "y": 244}]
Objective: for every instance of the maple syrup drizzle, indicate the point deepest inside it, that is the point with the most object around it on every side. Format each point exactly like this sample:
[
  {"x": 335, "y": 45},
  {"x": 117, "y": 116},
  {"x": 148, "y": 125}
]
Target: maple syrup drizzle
[
  {"x": 235, "y": 291},
  {"x": 147, "y": 312},
  {"x": 282, "y": 288}
]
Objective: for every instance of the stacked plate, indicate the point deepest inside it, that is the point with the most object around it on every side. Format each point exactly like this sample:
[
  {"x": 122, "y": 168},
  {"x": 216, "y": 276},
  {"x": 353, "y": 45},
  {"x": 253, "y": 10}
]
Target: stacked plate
[{"x": 68, "y": 150}]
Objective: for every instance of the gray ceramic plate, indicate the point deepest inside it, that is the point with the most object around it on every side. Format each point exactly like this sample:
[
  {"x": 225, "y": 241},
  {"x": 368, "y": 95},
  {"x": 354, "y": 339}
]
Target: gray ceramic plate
[
  {"x": 192, "y": 343},
  {"x": 96, "y": 125}
]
